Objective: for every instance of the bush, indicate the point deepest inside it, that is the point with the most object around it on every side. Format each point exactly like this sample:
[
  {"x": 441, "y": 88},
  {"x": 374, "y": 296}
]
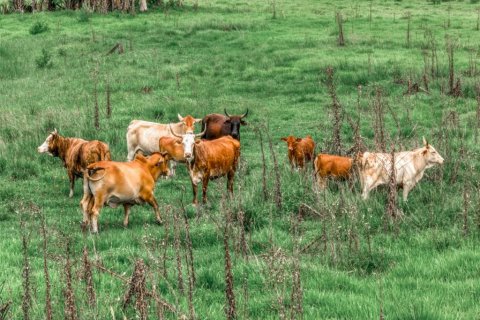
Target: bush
[
  {"x": 44, "y": 60},
  {"x": 83, "y": 16},
  {"x": 38, "y": 27}
]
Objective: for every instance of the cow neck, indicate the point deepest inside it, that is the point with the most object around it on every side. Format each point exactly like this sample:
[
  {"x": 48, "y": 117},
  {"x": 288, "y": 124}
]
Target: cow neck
[
  {"x": 419, "y": 160},
  {"x": 63, "y": 145}
]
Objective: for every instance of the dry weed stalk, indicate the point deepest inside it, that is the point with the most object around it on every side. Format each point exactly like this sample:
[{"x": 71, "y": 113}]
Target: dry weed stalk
[
  {"x": 296, "y": 308},
  {"x": 96, "y": 115},
  {"x": 109, "y": 105},
  {"x": 27, "y": 294},
  {"x": 337, "y": 112},
  {"x": 176, "y": 231},
  {"x": 379, "y": 121},
  {"x": 264, "y": 165},
  {"x": 341, "y": 38},
  {"x": 276, "y": 170},
  {"x": 88, "y": 278},
  {"x": 466, "y": 205},
  {"x": 46, "y": 274},
  {"x": 230, "y": 310},
  {"x": 138, "y": 290},
  {"x": 70, "y": 307},
  {"x": 392, "y": 191},
  {"x": 408, "y": 16}
]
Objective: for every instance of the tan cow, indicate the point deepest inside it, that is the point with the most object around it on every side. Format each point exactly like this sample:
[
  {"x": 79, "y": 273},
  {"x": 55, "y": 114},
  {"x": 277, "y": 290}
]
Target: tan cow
[
  {"x": 173, "y": 147},
  {"x": 210, "y": 159},
  {"x": 142, "y": 136},
  {"x": 326, "y": 166},
  {"x": 299, "y": 150},
  {"x": 375, "y": 168},
  {"x": 126, "y": 183},
  {"x": 75, "y": 153}
]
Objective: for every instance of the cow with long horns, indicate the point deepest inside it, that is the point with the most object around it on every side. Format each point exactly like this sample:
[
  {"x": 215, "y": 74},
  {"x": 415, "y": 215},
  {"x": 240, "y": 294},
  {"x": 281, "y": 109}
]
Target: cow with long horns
[
  {"x": 208, "y": 160},
  {"x": 219, "y": 125}
]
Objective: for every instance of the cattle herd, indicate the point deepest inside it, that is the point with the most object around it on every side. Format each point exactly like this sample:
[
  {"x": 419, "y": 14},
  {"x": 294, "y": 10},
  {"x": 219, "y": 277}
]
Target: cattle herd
[{"x": 155, "y": 149}]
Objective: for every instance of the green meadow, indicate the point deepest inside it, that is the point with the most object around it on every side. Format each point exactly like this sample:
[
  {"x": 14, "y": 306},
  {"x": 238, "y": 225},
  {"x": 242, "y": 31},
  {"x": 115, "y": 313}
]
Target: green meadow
[{"x": 353, "y": 260}]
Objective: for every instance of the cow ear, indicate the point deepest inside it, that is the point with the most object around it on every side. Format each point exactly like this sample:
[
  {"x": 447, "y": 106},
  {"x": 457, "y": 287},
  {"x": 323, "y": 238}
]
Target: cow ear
[
  {"x": 298, "y": 139},
  {"x": 243, "y": 123},
  {"x": 197, "y": 120},
  {"x": 198, "y": 141},
  {"x": 284, "y": 139},
  {"x": 424, "y": 152}
]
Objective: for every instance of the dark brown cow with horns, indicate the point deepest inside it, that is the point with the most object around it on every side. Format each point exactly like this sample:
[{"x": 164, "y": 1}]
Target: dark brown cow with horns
[
  {"x": 219, "y": 125},
  {"x": 75, "y": 153}
]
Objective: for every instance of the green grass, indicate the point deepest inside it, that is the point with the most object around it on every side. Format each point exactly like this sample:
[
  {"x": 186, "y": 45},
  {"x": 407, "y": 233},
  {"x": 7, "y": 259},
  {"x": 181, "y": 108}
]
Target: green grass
[{"x": 233, "y": 54}]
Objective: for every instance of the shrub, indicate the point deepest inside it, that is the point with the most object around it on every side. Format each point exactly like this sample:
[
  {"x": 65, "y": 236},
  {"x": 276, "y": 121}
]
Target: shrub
[
  {"x": 38, "y": 27},
  {"x": 44, "y": 60},
  {"x": 83, "y": 16}
]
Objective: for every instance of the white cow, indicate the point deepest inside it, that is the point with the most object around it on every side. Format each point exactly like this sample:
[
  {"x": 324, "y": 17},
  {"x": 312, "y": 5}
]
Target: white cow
[
  {"x": 143, "y": 135},
  {"x": 375, "y": 168}
]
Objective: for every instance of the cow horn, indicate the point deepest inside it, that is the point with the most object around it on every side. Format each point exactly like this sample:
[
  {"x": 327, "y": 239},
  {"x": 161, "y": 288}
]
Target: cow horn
[
  {"x": 244, "y": 115},
  {"x": 180, "y": 117},
  {"x": 201, "y": 133},
  {"x": 226, "y": 113},
  {"x": 172, "y": 132},
  {"x": 425, "y": 142},
  {"x": 55, "y": 131}
]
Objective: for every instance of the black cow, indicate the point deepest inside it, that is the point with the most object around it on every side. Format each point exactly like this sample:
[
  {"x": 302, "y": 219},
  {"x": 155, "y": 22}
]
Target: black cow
[{"x": 218, "y": 125}]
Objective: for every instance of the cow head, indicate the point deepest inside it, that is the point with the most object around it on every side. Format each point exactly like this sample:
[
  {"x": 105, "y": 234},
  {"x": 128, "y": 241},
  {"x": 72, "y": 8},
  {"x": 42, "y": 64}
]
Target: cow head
[
  {"x": 234, "y": 122},
  {"x": 188, "y": 122},
  {"x": 50, "y": 145},
  {"x": 291, "y": 142},
  {"x": 158, "y": 164},
  {"x": 431, "y": 156},
  {"x": 188, "y": 140}
]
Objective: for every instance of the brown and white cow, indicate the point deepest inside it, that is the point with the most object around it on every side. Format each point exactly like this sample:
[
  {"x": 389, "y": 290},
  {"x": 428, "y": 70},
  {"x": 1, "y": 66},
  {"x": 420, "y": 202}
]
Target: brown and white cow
[
  {"x": 174, "y": 148},
  {"x": 375, "y": 168},
  {"x": 299, "y": 150},
  {"x": 127, "y": 183},
  {"x": 75, "y": 153},
  {"x": 209, "y": 160},
  {"x": 327, "y": 166},
  {"x": 219, "y": 125},
  {"x": 142, "y": 136}
]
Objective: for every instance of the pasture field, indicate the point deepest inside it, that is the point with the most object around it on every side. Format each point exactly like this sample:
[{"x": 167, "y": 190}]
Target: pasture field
[{"x": 352, "y": 259}]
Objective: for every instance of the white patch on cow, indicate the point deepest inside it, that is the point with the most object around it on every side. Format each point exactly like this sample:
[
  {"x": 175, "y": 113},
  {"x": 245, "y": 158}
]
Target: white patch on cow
[
  {"x": 196, "y": 176},
  {"x": 188, "y": 140},
  {"x": 44, "y": 147}
]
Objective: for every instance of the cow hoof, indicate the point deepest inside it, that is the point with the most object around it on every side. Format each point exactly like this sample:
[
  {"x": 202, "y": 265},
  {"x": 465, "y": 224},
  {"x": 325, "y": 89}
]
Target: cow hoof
[{"x": 159, "y": 222}]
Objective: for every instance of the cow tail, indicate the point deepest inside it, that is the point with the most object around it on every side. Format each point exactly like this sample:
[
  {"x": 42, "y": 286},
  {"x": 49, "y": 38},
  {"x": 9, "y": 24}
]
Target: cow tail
[{"x": 89, "y": 172}]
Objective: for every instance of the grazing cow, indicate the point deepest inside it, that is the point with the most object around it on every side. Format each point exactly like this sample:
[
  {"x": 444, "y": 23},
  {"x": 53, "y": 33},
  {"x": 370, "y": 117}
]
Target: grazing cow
[
  {"x": 219, "y": 125},
  {"x": 173, "y": 147},
  {"x": 143, "y": 135},
  {"x": 126, "y": 183},
  {"x": 375, "y": 168},
  {"x": 75, "y": 153},
  {"x": 326, "y": 165},
  {"x": 209, "y": 160},
  {"x": 299, "y": 150}
]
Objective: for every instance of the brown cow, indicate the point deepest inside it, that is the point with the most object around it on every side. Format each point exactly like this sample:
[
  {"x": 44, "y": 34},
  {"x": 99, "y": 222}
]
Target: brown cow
[
  {"x": 75, "y": 153},
  {"x": 173, "y": 147},
  {"x": 142, "y": 136},
  {"x": 326, "y": 165},
  {"x": 126, "y": 183},
  {"x": 299, "y": 150},
  {"x": 219, "y": 125},
  {"x": 210, "y": 159}
]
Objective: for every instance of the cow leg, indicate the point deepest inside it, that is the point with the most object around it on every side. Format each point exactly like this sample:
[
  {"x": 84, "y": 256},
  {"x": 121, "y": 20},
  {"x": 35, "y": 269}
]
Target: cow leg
[
  {"x": 230, "y": 176},
  {"x": 406, "y": 189},
  {"x": 126, "y": 208},
  {"x": 153, "y": 202},
  {"x": 173, "y": 167},
  {"x": 322, "y": 182},
  {"x": 71, "y": 177},
  {"x": 99, "y": 202},
  {"x": 205, "y": 180},
  {"x": 366, "y": 189},
  {"x": 194, "y": 189}
]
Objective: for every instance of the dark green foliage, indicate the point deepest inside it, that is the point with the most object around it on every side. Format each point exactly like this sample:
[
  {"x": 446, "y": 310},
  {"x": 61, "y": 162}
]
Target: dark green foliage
[
  {"x": 38, "y": 27},
  {"x": 44, "y": 60}
]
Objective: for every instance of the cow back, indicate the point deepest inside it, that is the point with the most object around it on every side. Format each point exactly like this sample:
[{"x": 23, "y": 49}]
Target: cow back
[
  {"x": 331, "y": 165},
  {"x": 219, "y": 155}
]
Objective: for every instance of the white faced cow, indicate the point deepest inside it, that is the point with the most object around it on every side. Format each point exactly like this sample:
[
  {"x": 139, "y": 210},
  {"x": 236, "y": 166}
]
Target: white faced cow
[
  {"x": 142, "y": 136},
  {"x": 375, "y": 168}
]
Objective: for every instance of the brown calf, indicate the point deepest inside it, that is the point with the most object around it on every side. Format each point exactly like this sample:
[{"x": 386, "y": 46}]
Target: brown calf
[
  {"x": 326, "y": 165},
  {"x": 75, "y": 153},
  {"x": 299, "y": 150},
  {"x": 126, "y": 183}
]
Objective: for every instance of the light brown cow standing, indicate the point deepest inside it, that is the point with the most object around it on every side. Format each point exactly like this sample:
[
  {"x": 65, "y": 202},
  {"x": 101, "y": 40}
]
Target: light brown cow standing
[
  {"x": 375, "y": 168},
  {"x": 126, "y": 183},
  {"x": 173, "y": 147},
  {"x": 210, "y": 159},
  {"x": 75, "y": 153},
  {"x": 299, "y": 150},
  {"x": 142, "y": 136},
  {"x": 327, "y": 165}
]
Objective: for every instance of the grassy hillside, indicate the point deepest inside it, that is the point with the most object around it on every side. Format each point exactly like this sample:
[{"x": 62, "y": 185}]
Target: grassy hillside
[{"x": 353, "y": 262}]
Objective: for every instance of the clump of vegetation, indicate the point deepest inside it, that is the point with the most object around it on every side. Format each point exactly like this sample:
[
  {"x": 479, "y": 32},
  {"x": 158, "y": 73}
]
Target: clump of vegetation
[
  {"x": 44, "y": 60},
  {"x": 83, "y": 16},
  {"x": 38, "y": 27}
]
